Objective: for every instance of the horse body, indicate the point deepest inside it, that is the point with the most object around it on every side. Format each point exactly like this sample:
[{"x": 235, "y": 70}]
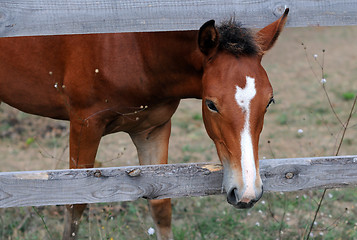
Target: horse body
[
  {"x": 55, "y": 76},
  {"x": 133, "y": 82}
]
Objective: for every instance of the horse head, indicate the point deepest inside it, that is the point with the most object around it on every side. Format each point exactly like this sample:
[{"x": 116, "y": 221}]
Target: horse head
[{"x": 235, "y": 97}]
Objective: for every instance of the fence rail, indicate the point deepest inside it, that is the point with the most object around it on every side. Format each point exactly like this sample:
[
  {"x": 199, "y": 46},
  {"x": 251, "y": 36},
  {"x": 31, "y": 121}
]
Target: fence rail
[
  {"x": 48, "y": 17},
  {"x": 53, "y": 187}
]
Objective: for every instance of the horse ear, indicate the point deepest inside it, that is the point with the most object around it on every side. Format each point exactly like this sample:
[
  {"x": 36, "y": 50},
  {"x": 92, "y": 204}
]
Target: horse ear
[
  {"x": 208, "y": 38},
  {"x": 267, "y": 36}
]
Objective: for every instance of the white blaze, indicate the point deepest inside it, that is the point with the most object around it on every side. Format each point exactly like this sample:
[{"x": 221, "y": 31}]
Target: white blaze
[{"x": 243, "y": 97}]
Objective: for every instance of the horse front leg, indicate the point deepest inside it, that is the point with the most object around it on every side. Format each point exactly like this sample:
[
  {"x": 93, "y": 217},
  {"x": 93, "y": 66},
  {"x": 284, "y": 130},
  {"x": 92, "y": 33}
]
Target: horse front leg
[
  {"x": 84, "y": 140},
  {"x": 152, "y": 146}
]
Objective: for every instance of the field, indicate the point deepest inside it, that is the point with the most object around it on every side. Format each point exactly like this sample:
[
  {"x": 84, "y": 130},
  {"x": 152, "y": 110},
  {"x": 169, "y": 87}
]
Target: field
[{"x": 300, "y": 124}]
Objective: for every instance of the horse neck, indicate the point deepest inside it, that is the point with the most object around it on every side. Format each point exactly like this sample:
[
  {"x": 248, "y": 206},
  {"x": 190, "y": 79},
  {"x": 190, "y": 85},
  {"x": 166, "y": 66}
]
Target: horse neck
[{"x": 173, "y": 62}]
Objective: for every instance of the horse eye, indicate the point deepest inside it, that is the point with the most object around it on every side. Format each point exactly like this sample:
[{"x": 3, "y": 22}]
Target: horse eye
[
  {"x": 211, "y": 106},
  {"x": 271, "y": 101}
]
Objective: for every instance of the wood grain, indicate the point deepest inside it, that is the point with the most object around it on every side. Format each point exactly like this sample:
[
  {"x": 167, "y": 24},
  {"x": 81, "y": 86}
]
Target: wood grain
[
  {"x": 47, "y": 17},
  {"x": 53, "y": 187}
]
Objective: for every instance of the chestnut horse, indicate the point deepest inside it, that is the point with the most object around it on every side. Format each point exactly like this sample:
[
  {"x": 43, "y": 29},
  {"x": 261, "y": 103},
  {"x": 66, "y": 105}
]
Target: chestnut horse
[{"x": 133, "y": 82}]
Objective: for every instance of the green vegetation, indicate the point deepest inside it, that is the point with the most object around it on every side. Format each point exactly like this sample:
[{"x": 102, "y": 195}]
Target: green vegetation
[
  {"x": 282, "y": 119},
  {"x": 348, "y": 96},
  {"x": 30, "y": 140}
]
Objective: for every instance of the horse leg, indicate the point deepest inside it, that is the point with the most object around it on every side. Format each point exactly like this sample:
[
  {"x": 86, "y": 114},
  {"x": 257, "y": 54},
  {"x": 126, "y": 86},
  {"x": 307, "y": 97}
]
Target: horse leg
[
  {"x": 84, "y": 141},
  {"x": 160, "y": 210},
  {"x": 152, "y": 146}
]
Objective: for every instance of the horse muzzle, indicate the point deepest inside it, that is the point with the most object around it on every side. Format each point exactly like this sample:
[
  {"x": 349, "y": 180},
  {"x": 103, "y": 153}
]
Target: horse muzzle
[
  {"x": 243, "y": 201},
  {"x": 244, "y": 188}
]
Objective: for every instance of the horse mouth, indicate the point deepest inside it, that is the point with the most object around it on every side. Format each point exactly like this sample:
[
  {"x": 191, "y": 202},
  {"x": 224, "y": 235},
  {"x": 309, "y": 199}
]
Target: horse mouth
[{"x": 244, "y": 205}]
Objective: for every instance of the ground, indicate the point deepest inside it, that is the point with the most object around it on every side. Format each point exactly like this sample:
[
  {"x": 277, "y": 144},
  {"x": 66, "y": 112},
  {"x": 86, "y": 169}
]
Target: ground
[{"x": 300, "y": 124}]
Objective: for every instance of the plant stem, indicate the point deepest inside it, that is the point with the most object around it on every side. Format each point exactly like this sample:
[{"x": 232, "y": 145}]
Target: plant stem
[
  {"x": 43, "y": 221},
  {"x": 337, "y": 152},
  {"x": 346, "y": 125}
]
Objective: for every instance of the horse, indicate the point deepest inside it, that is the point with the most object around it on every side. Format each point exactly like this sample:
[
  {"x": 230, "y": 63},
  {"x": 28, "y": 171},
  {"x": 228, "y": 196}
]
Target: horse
[{"x": 133, "y": 82}]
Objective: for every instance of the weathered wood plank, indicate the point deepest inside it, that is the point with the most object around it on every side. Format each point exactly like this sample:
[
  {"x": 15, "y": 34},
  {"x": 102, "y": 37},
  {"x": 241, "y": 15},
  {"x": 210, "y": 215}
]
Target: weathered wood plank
[
  {"x": 47, "y": 17},
  {"x": 107, "y": 184},
  {"x": 296, "y": 174},
  {"x": 54, "y": 187}
]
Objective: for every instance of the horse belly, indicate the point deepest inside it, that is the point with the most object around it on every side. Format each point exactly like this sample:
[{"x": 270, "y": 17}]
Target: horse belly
[
  {"x": 152, "y": 116},
  {"x": 30, "y": 77}
]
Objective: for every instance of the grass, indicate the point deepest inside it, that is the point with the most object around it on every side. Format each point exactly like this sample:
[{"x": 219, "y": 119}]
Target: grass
[
  {"x": 282, "y": 119},
  {"x": 348, "y": 96},
  {"x": 281, "y": 215}
]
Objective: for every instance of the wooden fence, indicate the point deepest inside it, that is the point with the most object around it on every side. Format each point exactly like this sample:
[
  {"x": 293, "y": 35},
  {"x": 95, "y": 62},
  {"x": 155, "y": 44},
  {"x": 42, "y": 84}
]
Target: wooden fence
[
  {"x": 47, "y": 17},
  {"x": 52, "y": 187}
]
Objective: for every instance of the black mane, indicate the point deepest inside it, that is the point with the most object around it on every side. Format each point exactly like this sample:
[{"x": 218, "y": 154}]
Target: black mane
[{"x": 236, "y": 39}]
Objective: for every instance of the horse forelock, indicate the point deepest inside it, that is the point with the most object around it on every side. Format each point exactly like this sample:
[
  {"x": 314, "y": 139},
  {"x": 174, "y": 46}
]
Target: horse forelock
[{"x": 236, "y": 39}]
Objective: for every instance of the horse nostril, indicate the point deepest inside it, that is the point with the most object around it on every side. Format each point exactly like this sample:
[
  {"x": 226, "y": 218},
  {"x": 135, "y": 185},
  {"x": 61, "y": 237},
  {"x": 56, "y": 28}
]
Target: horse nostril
[{"x": 232, "y": 196}]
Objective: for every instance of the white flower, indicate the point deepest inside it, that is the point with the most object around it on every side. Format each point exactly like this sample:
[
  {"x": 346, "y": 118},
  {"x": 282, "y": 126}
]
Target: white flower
[
  {"x": 330, "y": 195},
  {"x": 257, "y": 224},
  {"x": 321, "y": 233},
  {"x": 315, "y": 56},
  {"x": 300, "y": 131},
  {"x": 151, "y": 231},
  {"x": 263, "y": 202},
  {"x": 323, "y": 81}
]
